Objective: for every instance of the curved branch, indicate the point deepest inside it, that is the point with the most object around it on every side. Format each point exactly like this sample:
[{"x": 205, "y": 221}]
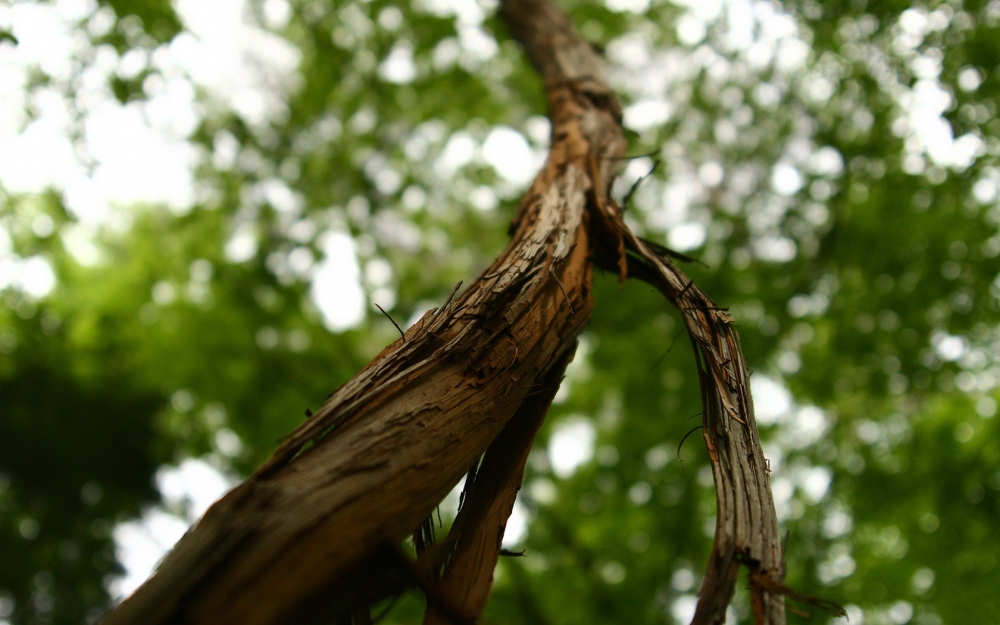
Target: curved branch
[
  {"x": 746, "y": 529},
  {"x": 313, "y": 533}
]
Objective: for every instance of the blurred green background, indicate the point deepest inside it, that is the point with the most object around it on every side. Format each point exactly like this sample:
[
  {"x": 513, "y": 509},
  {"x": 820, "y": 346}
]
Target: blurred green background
[{"x": 200, "y": 202}]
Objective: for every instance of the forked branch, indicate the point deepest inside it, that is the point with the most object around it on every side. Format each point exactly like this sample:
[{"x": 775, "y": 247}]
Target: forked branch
[{"x": 313, "y": 535}]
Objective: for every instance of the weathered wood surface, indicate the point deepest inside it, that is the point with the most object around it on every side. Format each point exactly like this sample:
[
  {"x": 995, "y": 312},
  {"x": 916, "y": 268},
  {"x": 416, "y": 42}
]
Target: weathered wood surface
[
  {"x": 746, "y": 529},
  {"x": 478, "y": 529},
  {"x": 388, "y": 445},
  {"x": 311, "y": 535}
]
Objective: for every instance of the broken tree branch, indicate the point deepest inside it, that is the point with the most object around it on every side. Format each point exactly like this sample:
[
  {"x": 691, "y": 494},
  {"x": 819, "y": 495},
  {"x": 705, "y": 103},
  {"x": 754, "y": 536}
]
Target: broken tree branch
[
  {"x": 746, "y": 529},
  {"x": 313, "y": 534},
  {"x": 290, "y": 543},
  {"x": 478, "y": 530}
]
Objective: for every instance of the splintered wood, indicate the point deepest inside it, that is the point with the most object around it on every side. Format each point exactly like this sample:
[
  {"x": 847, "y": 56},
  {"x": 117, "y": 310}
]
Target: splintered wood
[{"x": 312, "y": 536}]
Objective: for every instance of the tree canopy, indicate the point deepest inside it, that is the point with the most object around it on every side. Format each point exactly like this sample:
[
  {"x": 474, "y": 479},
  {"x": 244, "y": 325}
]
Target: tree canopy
[{"x": 200, "y": 207}]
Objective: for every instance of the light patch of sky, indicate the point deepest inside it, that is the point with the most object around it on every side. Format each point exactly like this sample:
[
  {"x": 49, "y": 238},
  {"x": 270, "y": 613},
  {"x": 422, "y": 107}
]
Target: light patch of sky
[
  {"x": 705, "y": 10},
  {"x": 32, "y": 276},
  {"x": 477, "y": 43},
  {"x": 949, "y": 347},
  {"x": 38, "y": 157},
  {"x": 517, "y": 525},
  {"x": 805, "y": 427},
  {"x": 630, "y": 6},
  {"x": 136, "y": 162},
  {"x": 138, "y": 151},
  {"x": 398, "y": 67},
  {"x": 786, "y": 179},
  {"x": 682, "y": 608},
  {"x": 838, "y": 521},
  {"x": 579, "y": 369},
  {"x": 814, "y": 482},
  {"x": 509, "y": 153},
  {"x": 969, "y": 79},
  {"x": 238, "y": 62},
  {"x": 44, "y": 37},
  {"x": 687, "y": 236},
  {"x": 630, "y": 50},
  {"x": 987, "y": 188},
  {"x": 188, "y": 490},
  {"x": 826, "y": 161},
  {"x": 690, "y": 30},
  {"x": 711, "y": 174},
  {"x": 681, "y": 190},
  {"x": 647, "y": 113},
  {"x": 740, "y": 24},
  {"x": 460, "y": 150},
  {"x": 474, "y": 44},
  {"x": 771, "y": 399},
  {"x": 336, "y": 287},
  {"x": 276, "y": 13},
  {"x": 928, "y": 134},
  {"x": 571, "y": 445},
  {"x": 467, "y": 11},
  {"x": 798, "y": 427},
  {"x": 278, "y": 195},
  {"x": 774, "y": 249},
  {"x": 448, "y": 508},
  {"x": 141, "y": 544},
  {"x": 931, "y": 133}
]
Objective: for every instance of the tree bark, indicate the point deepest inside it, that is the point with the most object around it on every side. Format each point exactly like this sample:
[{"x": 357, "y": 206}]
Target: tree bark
[{"x": 313, "y": 534}]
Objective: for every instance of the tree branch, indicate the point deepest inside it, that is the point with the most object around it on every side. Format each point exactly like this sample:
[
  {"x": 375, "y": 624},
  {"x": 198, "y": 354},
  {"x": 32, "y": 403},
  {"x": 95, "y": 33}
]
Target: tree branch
[
  {"x": 478, "y": 530},
  {"x": 310, "y": 536},
  {"x": 746, "y": 529},
  {"x": 374, "y": 461}
]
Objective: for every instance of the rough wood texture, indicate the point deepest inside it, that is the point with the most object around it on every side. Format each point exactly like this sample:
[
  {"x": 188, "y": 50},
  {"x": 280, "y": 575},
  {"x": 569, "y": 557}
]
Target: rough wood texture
[
  {"x": 478, "y": 529},
  {"x": 312, "y": 535},
  {"x": 376, "y": 459},
  {"x": 746, "y": 526},
  {"x": 746, "y": 529}
]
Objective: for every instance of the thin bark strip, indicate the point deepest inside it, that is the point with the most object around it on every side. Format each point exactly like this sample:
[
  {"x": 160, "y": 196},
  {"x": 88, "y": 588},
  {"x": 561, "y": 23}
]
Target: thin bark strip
[
  {"x": 479, "y": 527},
  {"x": 746, "y": 529}
]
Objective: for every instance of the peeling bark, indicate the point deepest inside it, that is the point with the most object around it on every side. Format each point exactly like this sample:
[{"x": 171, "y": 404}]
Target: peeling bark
[
  {"x": 479, "y": 527},
  {"x": 746, "y": 529},
  {"x": 312, "y": 535}
]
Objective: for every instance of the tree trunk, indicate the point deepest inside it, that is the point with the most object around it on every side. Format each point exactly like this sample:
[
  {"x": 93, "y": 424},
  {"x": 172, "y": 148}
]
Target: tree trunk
[{"x": 313, "y": 534}]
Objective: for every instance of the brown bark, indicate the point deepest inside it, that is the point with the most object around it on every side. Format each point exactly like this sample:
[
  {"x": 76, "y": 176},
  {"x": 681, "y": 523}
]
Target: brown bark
[
  {"x": 312, "y": 535},
  {"x": 376, "y": 459},
  {"x": 479, "y": 526},
  {"x": 746, "y": 529}
]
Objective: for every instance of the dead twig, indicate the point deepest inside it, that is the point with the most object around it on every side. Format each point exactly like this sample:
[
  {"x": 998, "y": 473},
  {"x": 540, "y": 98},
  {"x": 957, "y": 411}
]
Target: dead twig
[
  {"x": 772, "y": 585},
  {"x": 450, "y": 297},
  {"x": 639, "y": 180},
  {"x": 690, "y": 432},
  {"x": 389, "y": 317},
  {"x": 657, "y": 363}
]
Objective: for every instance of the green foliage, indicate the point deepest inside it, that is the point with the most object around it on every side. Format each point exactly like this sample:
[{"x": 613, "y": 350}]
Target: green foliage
[
  {"x": 859, "y": 260},
  {"x": 154, "y": 18}
]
